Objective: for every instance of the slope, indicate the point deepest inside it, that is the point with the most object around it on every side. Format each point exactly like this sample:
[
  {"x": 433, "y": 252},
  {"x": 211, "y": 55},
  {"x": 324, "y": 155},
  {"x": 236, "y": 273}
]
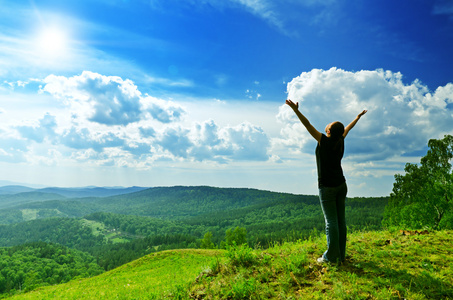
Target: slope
[
  {"x": 163, "y": 273},
  {"x": 380, "y": 265}
]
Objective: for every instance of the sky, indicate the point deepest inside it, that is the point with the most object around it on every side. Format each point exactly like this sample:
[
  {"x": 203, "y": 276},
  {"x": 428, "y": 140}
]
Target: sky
[{"x": 184, "y": 92}]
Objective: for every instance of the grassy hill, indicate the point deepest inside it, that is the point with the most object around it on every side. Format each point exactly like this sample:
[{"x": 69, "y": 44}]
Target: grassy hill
[
  {"x": 154, "y": 276},
  {"x": 380, "y": 265},
  {"x": 118, "y": 229}
]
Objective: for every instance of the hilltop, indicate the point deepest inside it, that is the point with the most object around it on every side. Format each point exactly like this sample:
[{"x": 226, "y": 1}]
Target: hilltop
[{"x": 380, "y": 265}]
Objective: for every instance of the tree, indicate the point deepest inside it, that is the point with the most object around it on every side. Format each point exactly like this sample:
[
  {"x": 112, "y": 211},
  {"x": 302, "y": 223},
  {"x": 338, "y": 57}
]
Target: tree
[
  {"x": 236, "y": 237},
  {"x": 422, "y": 198},
  {"x": 206, "y": 242}
]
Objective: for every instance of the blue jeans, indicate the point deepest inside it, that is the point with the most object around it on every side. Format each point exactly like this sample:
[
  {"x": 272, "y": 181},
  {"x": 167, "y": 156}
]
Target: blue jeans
[{"x": 333, "y": 206}]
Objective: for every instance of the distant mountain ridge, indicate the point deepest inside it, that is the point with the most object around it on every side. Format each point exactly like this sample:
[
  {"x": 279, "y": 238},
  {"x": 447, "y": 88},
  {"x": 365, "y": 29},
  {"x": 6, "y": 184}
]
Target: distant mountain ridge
[
  {"x": 92, "y": 191},
  {"x": 76, "y": 192},
  {"x": 15, "y": 189},
  {"x": 18, "y": 197},
  {"x": 11, "y": 200}
]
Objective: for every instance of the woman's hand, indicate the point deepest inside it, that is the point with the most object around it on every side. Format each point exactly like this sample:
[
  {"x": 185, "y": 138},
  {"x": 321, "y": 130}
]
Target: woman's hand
[
  {"x": 294, "y": 106},
  {"x": 314, "y": 133},
  {"x": 362, "y": 113},
  {"x": 352, "y": 124}
]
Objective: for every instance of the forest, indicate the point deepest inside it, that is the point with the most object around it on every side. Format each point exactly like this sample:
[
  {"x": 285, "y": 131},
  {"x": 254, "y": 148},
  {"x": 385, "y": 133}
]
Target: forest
[
  {"x": 101, "y": 233},
  {"x": 32, "y": 265}
]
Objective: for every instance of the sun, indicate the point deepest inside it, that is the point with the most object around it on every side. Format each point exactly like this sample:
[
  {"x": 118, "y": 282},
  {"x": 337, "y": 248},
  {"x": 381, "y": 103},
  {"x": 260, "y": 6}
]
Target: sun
[{"x": 52, "y": 41}]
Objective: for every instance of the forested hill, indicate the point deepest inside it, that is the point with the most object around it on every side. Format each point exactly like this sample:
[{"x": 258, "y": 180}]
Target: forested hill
[
  {"x": 178, "y": 202},
  {"x": 183, "y": 201},
  {"x": 183, "y": 215},
  {"x": 118, "y": 229}
]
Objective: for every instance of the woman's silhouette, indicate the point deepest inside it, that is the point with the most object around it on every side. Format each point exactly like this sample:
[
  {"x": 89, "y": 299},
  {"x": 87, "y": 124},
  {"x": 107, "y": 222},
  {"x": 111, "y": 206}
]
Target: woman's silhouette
[{"x": 331, "y": 181}]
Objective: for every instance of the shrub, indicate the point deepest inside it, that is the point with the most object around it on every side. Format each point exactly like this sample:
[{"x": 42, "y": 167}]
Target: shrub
[{"x": 241, "y": 255}]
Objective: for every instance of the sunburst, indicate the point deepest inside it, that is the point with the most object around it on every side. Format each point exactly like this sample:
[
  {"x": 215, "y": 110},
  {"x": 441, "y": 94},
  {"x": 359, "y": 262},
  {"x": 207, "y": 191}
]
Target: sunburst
[{"x": 52, "y": 41}]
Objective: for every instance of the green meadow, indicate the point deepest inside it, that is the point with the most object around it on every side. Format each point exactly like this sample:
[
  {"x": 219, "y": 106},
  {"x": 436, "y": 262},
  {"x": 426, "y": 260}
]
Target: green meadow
[
  {"x": 379, "y": 265},
  {"x": 152, "y": 277}
]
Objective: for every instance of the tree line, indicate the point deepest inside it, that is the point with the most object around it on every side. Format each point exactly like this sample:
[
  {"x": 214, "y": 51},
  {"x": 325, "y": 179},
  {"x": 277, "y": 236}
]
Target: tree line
[
  {"x": 28, "y": 266},
  {"x": 422, "y": 198}
]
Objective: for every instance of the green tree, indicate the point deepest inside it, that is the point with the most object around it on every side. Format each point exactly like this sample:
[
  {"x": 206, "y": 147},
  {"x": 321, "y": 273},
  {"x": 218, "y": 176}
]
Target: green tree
[
  {"x": 2, "y": 283},
  {"x": 237, "y": 237},
  {"x": 422, "y": 198},
  {"x": 206, "y": 242}
]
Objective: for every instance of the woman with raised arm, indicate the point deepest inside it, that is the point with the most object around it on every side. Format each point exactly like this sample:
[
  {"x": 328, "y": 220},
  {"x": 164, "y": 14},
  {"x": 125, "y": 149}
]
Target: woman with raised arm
[{"x": 331, "y": 181}]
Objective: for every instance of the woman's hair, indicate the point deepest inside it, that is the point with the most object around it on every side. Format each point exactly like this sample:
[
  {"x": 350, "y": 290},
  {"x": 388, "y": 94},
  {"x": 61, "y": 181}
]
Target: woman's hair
[{"x": 336, "y": 132}]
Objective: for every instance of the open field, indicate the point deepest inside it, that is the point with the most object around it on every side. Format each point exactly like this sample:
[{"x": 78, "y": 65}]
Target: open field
[{"x": 380, "y": 265}]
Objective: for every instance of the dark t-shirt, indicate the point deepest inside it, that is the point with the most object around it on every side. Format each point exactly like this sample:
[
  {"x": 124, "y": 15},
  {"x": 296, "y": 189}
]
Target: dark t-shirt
[{"x": 328, "y": 160}]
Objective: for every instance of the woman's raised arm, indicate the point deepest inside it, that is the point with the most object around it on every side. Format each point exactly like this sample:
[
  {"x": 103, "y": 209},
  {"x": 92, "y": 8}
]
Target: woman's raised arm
[
  {"x": 314, "y": 133},
  {"x": 352, "y": 124}
]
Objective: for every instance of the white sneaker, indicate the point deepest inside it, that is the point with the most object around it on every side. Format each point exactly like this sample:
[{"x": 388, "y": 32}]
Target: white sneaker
[{"x": 322, "y": 260}]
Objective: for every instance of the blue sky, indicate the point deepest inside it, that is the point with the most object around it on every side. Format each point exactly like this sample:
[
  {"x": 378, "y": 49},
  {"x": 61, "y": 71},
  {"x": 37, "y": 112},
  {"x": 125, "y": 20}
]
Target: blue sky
[{"x": 161, "y": 93}]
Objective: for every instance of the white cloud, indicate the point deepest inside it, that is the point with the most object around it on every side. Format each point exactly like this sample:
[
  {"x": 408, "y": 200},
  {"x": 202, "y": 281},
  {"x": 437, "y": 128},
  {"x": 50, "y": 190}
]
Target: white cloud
[
  {"x": 264, "y": 10},
  {"x": 108, "y": 100},
  {"x": 169, "y": 82},
  {"x": 45, "y": 128},
  {"x": 230, "y": 143},
  {"x": 147, "y": 132},
  {"x": 208, "y": 142},
  {"x": 162, "y": 110},
  {"x": 12, "y": 149},
  {"x": 279, "y": 13},
  {"x": 247, "y": 142},
  {"x": 106, "y": 120},
  {"x": 207, "y": 134},
  {"x": 89, "y": 128},
  {"x": 401, "y": 118},
  {"x": 176, "y": 141},
  {"x": 84, "y": 138}
]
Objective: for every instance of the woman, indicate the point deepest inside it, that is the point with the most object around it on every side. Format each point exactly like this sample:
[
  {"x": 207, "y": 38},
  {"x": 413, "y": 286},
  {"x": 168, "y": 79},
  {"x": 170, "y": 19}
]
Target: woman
[{"x": 331, "y": 182}]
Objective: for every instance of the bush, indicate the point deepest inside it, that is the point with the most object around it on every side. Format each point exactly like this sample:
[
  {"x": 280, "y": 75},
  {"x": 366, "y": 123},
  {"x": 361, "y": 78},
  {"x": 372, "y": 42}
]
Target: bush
[
  {"x": 241, "y": 255},
  {"x": 242, "y": 289}
]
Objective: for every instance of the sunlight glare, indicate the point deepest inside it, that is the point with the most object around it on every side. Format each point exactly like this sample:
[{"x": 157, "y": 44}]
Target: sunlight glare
[{"x": 52, "y": 41}]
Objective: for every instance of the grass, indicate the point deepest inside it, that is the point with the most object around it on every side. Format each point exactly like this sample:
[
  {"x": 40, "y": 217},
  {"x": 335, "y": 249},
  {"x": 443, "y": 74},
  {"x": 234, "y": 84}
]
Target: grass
[
  {"x": 155, "y": 276},
  {"x": 98, "y": 228},
  {"x": 379, "y": 265},
  {"x": 29, "y": 214}
]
